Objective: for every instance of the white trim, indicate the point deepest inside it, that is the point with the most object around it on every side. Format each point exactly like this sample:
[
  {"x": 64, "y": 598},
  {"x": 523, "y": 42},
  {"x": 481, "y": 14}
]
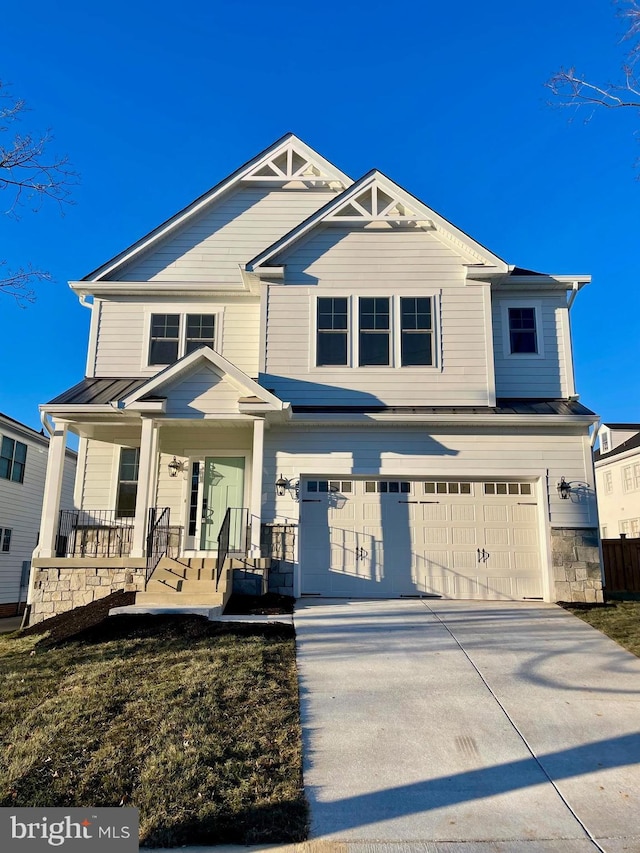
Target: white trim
[
  {"x": 225, "y": 368},
  {"x": 565, "y": 325},
  {"x": 262, "y": 334},
  {"x": 425, "y": 217},
  {"x": 505, "y": 305},
  {"x": 78, "y": 486},
  {"x": 489, "y": 346},
  {"x": 94, "y": 325},
  {"x": 182, "y": 309}
]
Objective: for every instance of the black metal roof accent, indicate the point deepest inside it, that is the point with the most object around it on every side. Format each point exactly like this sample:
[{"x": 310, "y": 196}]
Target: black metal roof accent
[
  {"x": 504, "y": 406},
  {"x": 97, "y": 392}
]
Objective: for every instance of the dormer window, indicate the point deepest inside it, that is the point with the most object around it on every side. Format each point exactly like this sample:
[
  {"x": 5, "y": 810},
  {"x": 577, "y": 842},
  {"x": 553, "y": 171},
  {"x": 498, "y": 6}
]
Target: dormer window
[
  {"x": 604, "y": 442},
  {"x": 522, "y": 330}
]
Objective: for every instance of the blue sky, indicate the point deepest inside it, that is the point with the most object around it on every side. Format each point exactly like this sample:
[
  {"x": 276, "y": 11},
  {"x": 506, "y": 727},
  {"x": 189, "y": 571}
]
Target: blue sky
[{"x": 154, "y": 103}]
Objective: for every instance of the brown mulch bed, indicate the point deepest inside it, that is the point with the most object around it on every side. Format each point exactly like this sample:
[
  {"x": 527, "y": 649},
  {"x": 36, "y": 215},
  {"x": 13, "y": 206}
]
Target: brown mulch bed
[{"x": 72, "y": 622}]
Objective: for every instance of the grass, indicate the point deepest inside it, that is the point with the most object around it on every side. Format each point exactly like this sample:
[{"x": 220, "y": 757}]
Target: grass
[
  {"x": 620, "y": 621},
  {"x": 195, "y": 723}
]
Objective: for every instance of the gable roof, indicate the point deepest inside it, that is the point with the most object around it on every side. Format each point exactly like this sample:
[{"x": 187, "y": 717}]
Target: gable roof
[
  {"x": 629, "y": 444},
  {"x": 277, "y": 163},
  {"x": 376, "y": 198},
  {"x": 246, "y": 386}
]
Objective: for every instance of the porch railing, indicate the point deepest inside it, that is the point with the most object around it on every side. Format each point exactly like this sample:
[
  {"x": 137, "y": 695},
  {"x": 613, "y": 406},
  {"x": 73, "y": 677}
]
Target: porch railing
[
  {"x": 233, "y": 537},
  {"x": 93, "y": 533},
  {"x": 158, "y": 537}
]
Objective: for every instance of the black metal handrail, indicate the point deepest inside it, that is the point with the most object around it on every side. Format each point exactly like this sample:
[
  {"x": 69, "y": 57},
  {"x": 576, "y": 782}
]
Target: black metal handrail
[
  {"x": 233, "y": 537},
  {"x": 93, "y": 533},
  {"x": 158, "y": 537}
]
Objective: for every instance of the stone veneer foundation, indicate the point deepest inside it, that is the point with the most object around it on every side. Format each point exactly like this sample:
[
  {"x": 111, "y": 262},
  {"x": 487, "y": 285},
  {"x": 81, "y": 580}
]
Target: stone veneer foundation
[
  {"x": 59, "y": 589},
  {"x": 576, "y": 564},
  {"x": 278, "y": 541}
]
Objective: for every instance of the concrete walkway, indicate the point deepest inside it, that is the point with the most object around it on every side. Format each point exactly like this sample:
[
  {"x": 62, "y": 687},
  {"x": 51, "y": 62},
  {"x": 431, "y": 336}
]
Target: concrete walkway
[{"x": 468, "y": 726}]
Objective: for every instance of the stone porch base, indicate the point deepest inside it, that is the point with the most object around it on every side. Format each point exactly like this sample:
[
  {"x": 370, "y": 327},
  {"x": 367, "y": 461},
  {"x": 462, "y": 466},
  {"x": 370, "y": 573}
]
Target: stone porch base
[{"x": 576, "y": 564}]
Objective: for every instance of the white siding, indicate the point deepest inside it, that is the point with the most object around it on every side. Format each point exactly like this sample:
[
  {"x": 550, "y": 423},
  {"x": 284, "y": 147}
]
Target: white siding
[
  {"x": 424, "y": 451},
  {"x": 202, "y": 392},
  {"x": 123, "y": 332},
  {"x": 616, "y": 503},
  {"x": 234, "y": 230},
  {"x": 100, "y": 475},
  {"x": 339, "y": 262},
  {"x": 21, "y": 506},
  {"x": 522, "y": 376}
]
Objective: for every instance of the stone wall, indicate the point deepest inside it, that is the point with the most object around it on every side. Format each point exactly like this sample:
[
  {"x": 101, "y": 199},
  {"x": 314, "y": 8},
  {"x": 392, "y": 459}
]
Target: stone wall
[
  {"x": 57, "y": 590},
  {"x": 278, "y": 541},
  {"x": 576, "y": 564}
]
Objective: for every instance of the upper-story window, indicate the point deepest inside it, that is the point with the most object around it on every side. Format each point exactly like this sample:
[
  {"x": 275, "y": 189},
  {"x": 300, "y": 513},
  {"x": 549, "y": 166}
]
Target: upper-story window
[
  {"x": 631, "y": 477},
  {"x": 608, "y": 482},
  {"x": 375, "y": 330},
  {"x": 13, "y": 458},
  {"x": 333, "y": 331},
  {"x": 604, "y": 442},
  {"x": 174, "y": 335},
  {"x": 522, "y": 330},
  {"x": 386, "y": 332}
]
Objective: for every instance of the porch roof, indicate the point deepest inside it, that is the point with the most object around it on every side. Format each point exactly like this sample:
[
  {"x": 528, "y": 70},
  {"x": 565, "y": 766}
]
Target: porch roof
[{"x": 98, "y": 392}]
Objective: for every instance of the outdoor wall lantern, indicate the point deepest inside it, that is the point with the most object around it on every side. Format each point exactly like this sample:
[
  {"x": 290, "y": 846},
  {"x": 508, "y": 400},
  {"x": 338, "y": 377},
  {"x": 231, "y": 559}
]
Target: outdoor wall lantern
[
  {"x": 175, "y": 467},
  {"x": 281, "y": 486},
  {"x": 564, "y": 489}
]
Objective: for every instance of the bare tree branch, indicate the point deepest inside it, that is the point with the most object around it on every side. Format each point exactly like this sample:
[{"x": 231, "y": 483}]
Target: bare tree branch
[
  {"x": 571, "y": 89},
  {"x": 28, "y": 175}
]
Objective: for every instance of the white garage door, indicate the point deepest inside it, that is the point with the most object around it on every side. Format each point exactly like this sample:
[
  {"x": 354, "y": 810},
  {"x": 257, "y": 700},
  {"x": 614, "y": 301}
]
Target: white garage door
[{"x": 388, "y": 538}]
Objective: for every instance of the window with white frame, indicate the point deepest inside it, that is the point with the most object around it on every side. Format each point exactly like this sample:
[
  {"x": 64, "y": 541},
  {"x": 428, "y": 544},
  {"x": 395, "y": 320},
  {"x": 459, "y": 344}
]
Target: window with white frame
[
  {"x": 604, "y": 531},
  {"x": 634, "y": 527},
  {"x": 375, "y": 331},
  {"x": 604, "y": 442},
  {"x": 607, "y": 481},
  {"x": 5, "y": 540},
  {"x": 624, "y": 528},
  {"x": 127, "y": 482},
  {"x": 13, "y": 459},
  {"x": 631, "y": 477},
  {"x": 174, "y": 335},
  {"x": 522, "y": 328}
]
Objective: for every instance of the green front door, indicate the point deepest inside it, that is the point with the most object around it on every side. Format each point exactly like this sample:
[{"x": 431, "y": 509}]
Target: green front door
[{"x": 223, "y": 488}]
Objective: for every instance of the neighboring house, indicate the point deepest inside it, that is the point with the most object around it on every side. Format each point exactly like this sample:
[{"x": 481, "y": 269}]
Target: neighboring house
[
  {"x": 385, "y": 404},
  {"x": 617, "y": 464},
  {"x": 23, "y": 464}
]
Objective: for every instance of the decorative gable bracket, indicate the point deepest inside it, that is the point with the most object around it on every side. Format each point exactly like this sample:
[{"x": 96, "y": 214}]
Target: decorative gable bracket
[
  {"x": 289, "y": 165},
  {"x": 374, "y": 204}
]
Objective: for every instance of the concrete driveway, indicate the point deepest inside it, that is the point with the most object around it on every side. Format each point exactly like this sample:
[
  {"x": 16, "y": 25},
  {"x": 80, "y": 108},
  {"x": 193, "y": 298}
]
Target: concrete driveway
[{"x": 488, "y": 725}]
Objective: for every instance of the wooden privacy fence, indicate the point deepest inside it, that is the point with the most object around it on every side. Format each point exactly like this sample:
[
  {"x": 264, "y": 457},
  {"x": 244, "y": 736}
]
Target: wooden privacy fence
[{"x": 621, "y": 558}]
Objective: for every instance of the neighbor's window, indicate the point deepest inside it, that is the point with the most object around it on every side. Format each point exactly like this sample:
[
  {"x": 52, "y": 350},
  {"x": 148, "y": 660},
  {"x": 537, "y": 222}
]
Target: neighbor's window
[
  {"x": 375, "y": 329},
  {"x": 608, "y": 482},
  {"x": 333, "y": 331},
  {"x": 416, "y": 331},
  {"x": 165, "y": 338},
  {"x": 13, "y": 458},
  {"x": 5, "y": 540},
  {"x": 200, "y": 329},
  {"x": 127, "y": 482},
  {"x": 604, "y": 442},
  {"x": 631, "y": 477},
  {"x": 522, "y": 330}
]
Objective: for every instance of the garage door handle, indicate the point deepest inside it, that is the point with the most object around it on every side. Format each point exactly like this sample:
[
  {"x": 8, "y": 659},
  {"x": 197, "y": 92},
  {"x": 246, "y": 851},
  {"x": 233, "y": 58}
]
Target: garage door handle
[
  {"x": 483, "y": 555},
  {"x": 361, "y": 554}
]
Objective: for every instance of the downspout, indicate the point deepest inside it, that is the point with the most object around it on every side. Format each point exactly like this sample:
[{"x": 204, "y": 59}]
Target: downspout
[
  {"x": 575, "y": 287},
  {"x": 44, "y": 420},
  {"x": 82, "y": 299}
]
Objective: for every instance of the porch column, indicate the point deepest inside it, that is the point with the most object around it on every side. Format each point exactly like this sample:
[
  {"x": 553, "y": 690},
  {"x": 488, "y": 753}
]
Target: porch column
[
  {"x": 256, "y": 486},
  {"x": 52, "y": 491},
  {"x": 145, "y": 474}
]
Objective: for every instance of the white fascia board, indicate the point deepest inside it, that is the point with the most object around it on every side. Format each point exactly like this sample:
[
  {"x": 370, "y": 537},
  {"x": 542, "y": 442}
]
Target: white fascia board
[
  {"x": 205, "y": 354},
  {"x": 154, "y": 288},
  {"x": 378, "y": 418},
  {"x": 555, "y": 282},
  {"x": 196, "y": 206},
  {"x": 80, "y": 410},
  {"x": 619, "y": 457},
  {"x": 437, "y": 223},
  {"x": 159, "y": 406}
]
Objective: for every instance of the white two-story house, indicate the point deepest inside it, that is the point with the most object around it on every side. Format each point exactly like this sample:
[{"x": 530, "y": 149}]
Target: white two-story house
[
  {"x": 617, "y": 464},
  {"x": 384, "y": 406}
]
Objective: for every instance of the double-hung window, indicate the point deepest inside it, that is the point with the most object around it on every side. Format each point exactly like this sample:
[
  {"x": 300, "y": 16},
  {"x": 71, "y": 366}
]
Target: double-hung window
[
  {"x": 333, "y": 331},
  {"x": 174, "y": 335},
  {"x": 127, "y": 482},
  {"x": 13, "y": 459},
  {"x": 522, "y": 330},
  {"x": 374, "y": 331},
  {"x": 416, "y": 331},
  {"x": 5, "y": 540}
]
